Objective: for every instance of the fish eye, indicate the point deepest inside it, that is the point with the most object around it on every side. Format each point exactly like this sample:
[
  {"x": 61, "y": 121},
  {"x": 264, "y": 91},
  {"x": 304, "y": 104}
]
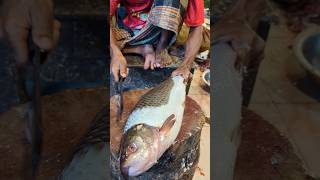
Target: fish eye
[{"x": 132, "y": 147}]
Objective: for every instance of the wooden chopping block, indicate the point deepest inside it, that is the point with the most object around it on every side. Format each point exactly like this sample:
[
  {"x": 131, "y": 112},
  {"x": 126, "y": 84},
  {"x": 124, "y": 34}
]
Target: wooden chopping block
[{"x": 178, "y": 162}]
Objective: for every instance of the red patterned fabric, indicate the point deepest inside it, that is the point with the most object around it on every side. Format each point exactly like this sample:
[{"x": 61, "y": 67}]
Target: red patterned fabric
[
  {"x": 194, "y": 15},
  {"x": 113, "y": 6}
]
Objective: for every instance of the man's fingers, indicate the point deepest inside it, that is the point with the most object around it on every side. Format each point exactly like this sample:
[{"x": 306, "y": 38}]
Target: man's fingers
[
  {"x": 42, "y": 22},
  {"x": 174, "y": 73},
  {"x": 123, "y": 70},
  {"x": 149, "y": 61},
  {"x": 146, "y": 64},
  {"x": 115, "y": 72},
  {"x": 18, "y": 41},
  {"x": 189, "y": 76},
  {"x": 56, "y": 32},
  {"x": 152, "y": 63}
]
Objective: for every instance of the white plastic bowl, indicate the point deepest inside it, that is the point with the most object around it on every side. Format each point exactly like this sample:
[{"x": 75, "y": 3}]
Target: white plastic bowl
[
  {"x": 307, "y": 51},
  {"x": 206, "y": 77}
]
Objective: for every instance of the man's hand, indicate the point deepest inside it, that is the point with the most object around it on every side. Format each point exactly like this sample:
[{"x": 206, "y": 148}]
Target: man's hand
[
  {"x": 243, "y": 40},
  {"x": 118, "y": 64},
  {"x": 19, "y": 17},
  {"x": 192, "y": 47},
  {"x": 183, "y": 71}
]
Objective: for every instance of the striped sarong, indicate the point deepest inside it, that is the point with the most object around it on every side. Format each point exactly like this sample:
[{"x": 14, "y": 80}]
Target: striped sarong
[{"x": 164, "y": 14}]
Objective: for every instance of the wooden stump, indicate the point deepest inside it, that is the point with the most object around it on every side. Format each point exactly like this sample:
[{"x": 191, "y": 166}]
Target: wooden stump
[{"x": 179, "y": 161}]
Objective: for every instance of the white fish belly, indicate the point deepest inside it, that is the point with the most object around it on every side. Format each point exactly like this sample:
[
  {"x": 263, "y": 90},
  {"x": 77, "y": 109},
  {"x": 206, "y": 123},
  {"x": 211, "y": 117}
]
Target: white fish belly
[
  {"x": 156, "y": 116},
  {"x": 90, "y": 165}
]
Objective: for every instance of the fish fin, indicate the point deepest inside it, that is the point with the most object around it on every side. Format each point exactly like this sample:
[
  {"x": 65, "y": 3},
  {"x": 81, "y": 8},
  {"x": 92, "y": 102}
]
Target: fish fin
[
  {"x": 167, "y": 125},
  {"x": 121, "y": 146}
]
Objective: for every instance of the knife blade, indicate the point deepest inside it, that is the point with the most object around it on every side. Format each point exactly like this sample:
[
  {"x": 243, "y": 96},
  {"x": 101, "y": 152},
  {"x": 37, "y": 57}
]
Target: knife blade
[
  {"x": 38, "y": 57},
  {"x": 119, "y": 96}
]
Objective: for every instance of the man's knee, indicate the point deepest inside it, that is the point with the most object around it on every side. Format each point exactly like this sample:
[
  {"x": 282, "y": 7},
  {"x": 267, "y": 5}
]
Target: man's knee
[{"x": 205, "y": 45}]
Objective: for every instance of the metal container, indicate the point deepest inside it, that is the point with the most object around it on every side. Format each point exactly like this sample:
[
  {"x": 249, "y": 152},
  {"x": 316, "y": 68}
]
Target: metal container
[
  {"x": 307, "y": 51},
  {"x": 206, "y": 77}
]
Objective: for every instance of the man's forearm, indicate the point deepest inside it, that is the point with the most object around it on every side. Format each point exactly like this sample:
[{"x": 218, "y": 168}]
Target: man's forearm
[
  {"x": 193, "y": 45},
  {"x": 113, "y": 46}
]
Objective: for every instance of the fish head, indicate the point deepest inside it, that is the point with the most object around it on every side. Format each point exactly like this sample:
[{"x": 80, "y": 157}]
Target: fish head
[
  {"x": 142, "y": 146},
  {"x": 139, "y": 149}
]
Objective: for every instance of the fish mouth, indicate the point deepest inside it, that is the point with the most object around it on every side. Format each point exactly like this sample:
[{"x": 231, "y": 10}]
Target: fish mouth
[
  {"x": 125, "y": 171},
  {"x": 128, "y": 171},
  {"x": 131, "y": 171}
]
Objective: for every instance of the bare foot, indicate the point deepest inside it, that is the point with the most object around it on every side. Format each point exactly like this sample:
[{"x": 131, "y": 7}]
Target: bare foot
[
  {"x": 146, "y": 51},
  {"x": 149, "y": 56},
  {"x": 163, "y": 58}
]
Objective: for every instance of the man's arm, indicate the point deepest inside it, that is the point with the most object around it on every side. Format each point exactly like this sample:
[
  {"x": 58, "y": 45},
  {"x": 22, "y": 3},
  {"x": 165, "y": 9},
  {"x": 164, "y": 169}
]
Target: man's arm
[
  {"x": 118, "y": 62},
  {"x": 113, "y": 46},
  {"x": 193, "y": 45},
  {"x": 192, "y": 48},
  {"x": 19, "y": 17}
]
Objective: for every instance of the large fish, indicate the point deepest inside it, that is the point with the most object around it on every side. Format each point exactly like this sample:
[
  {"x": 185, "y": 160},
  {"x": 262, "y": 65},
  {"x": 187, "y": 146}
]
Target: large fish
[{"x": 152, "y": 127}]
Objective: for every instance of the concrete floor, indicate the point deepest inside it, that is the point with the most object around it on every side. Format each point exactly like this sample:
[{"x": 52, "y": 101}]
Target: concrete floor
[
  {"x": 202, "y": 97},
  {"x": 279, "y": 101}
]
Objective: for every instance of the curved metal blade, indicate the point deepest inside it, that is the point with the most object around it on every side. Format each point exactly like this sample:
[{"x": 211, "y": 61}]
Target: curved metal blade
[
  {"x": 119, "y": 97},
  {"x": 36, "y": 121}
]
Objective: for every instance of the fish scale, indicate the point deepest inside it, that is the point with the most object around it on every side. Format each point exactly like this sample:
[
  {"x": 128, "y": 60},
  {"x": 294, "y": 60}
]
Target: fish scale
[
  {"x": 157, "y": 96},
  {"x": 89, "y": 159},
  {"x": 97, "y": 133},
  {"x": 155, "y": 106}
]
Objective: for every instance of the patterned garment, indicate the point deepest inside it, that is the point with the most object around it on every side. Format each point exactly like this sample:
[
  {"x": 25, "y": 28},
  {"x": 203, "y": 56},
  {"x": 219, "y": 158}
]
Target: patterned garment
[{"x": 165, "y": 14}]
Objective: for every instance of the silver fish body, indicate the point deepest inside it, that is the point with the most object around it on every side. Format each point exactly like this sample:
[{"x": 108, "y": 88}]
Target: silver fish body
[{"x": 153, "y": 126}]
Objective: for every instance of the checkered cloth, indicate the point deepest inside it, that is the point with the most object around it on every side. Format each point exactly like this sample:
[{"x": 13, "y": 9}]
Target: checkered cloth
[{"x": 164, "y": 14}]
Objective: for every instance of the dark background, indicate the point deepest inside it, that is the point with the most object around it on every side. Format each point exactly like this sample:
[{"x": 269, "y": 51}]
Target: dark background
[{"x": 79, "y": 59}]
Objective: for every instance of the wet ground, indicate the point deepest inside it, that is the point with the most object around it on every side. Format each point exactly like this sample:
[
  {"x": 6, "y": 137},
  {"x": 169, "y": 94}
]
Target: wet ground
[
  {"x": 265, "y": 154},
  {"x": 287, "y": 97}
]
